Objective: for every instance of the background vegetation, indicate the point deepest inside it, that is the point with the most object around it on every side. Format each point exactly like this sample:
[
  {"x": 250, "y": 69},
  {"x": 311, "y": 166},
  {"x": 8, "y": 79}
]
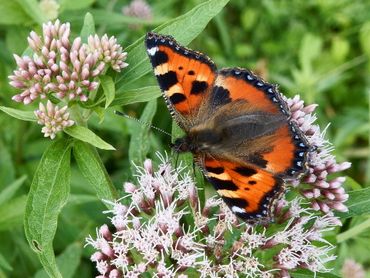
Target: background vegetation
[{"x": 319, "y": 49}]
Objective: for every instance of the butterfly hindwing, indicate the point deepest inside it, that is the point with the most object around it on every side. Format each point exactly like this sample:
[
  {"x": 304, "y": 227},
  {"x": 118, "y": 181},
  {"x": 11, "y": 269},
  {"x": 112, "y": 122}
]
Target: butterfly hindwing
[
  {"x": 184, "y": 76},
  {"x": 248, "y": 190}
]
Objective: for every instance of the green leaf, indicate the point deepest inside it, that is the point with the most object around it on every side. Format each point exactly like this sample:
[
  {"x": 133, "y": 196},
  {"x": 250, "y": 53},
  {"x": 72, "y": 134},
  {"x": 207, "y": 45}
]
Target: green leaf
[
  {"x": 354, "y": 231},
  {"x": 48, "y": 194},
  {"x": 86, "y": 135},
  {"x": 143, "y": 94},
  {"x": 308, "y": 274},
  {"x": 358, "y": 203},
  {"x": 115, "y": 20},
  {"x": 74, "y": 5},
  {"x": 92, "y": 168},
  {"x": 67, "y": 262},
  {"x": 365, "y": 38},
  {"x": 19, "y": 114},
  {"x": 184, "y": 28},
  {"x": 4, "y": 264},
  {"x": 11, "y": 189},
  {"x": 78, "y": 199},
  {"x": 31, "y": 7},
  {"x": 88, "y": 28},
  {"x": 139, "y": 143},
  {"x": 12, "y": 213},
  {"x": 7, "y": 168},
  {"x": 12, "y": 13},
  {"x": 108, "y": 88}
]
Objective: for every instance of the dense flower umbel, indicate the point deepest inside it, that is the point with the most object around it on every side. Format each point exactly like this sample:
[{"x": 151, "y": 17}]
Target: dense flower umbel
[
  {"x": 325, "y": 193},
  {"x": 139, "y": 9},
  {"x": 53, "y": 118},
  {"x": 160, "y": 228},
  {"x": 64, "y": 67}
]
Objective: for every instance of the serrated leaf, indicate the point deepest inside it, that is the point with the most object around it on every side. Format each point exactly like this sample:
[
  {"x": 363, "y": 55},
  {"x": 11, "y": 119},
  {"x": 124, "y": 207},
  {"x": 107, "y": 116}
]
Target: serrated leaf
[
  {"x": 11, "y": 189},
  {"x": 139, "y": 143},
  {"x": 92, "y": 168},
  {"x": 48, "y": 194},
  {"x": 358, "y": 203},
  {"x": 67, "y": 262},
  {"x": 88, "y": 28},
  {"x": 143, "y": 94},
  {"x": 184, "y": 28},
  {"x": 108, "y": 89},
  {"x": 12, "y": 213},
  {"x": 88, "y": 136},
  {"x": 31, "y": 7},
  {"x": 19, "y": 114}
]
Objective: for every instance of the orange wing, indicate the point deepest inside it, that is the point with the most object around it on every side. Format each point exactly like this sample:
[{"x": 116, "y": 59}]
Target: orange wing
[
  {"x": 184, "y": 76},
  {"x": 248, "y": 190},
  {"x": 284, "y": 150}
]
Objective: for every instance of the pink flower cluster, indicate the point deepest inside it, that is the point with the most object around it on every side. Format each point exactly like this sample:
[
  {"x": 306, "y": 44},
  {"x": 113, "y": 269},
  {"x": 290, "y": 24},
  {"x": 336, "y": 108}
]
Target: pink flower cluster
[
  {"x": 161, "y": 229},
  {"x": 68, "y": 69},
  {"x": 324, "y": 192}
]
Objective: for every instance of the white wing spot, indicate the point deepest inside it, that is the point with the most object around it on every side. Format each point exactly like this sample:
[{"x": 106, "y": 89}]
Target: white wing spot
[
  {"x": 236, "y": 209},
  {"x": 152, "y": 50}
]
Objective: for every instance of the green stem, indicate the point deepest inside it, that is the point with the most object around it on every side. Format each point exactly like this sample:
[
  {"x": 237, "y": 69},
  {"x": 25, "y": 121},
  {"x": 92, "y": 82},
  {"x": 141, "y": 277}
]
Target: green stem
[{"x": 351, "y": 233}]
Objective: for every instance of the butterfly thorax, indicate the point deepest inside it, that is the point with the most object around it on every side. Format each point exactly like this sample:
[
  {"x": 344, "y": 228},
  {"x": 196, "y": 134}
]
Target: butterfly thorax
[{"x": 198, "y": 142}]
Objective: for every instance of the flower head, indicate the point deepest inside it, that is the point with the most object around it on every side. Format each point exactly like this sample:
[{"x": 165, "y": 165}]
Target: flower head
[
  {"x": 325, "y": 193},
  {"x": 53, "y": 119},
  {"x": 139, "y": 9},
  {"x": 64, "y": 67},
  {"x": 162, "y": 222}
]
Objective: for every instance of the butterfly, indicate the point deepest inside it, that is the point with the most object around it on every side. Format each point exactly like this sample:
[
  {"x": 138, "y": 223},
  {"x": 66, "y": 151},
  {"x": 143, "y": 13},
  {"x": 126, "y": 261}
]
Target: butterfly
[{"x": 237, "y": 126}]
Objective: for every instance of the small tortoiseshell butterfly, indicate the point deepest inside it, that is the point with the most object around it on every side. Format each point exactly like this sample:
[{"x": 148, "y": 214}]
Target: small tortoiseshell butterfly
[{"x": 237, "y": 127}]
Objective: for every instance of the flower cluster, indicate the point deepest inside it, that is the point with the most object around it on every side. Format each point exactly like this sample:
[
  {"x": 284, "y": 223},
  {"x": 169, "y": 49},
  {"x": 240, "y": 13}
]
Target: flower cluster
[
  {"x": 161, "y": 228},
  {"x": 139, "y": 9},
  {"x": 325, "y": 193},
  {"x": 65, "y": 68},
  {"x": 68, "y": 69},
  {"x": 53, "y": 118}
]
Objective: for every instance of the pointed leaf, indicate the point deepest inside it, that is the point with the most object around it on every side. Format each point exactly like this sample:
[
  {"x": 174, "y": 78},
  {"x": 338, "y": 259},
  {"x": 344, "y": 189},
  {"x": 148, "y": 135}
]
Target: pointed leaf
[
  {"x": 12, "y": 213},
  {"x": 358, "y": 203},
  {"x": 48, "y": 194},
  {"x": 108, "y": 88},
  {"x": 184, "y": 28},
  {"x": 19, "y": 114},
  {"x": 92, "y": 168},
  {"x": 31, "y": 7},
  {"x": 143, "y": 94},
  {"x": 4, "y": 264},
  {"x": 88, "y": 28},
  {"x": 86, "y": 135},
  {"x": 67, "y": 262},
  {"x": 11, "y": 189}
]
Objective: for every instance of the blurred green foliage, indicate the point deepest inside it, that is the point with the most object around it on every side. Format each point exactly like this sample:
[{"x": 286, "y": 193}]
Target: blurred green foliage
[{"x": 319, "y": 49}]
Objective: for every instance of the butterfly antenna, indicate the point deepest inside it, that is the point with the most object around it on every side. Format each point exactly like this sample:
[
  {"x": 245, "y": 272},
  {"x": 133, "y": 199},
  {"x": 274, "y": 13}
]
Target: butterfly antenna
[{"x": 143, "y": 123}]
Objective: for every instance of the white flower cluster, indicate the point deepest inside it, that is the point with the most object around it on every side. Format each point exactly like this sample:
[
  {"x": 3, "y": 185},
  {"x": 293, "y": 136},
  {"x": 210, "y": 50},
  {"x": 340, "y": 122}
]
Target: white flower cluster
[{"x": 160, "y": 228}]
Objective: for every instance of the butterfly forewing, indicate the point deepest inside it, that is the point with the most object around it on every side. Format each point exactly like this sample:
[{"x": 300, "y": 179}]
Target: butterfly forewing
[{"x": 184, "y": 76}]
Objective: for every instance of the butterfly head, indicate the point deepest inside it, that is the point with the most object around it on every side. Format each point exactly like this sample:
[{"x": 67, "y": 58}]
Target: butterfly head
[{"x": 197, "y": 142}]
